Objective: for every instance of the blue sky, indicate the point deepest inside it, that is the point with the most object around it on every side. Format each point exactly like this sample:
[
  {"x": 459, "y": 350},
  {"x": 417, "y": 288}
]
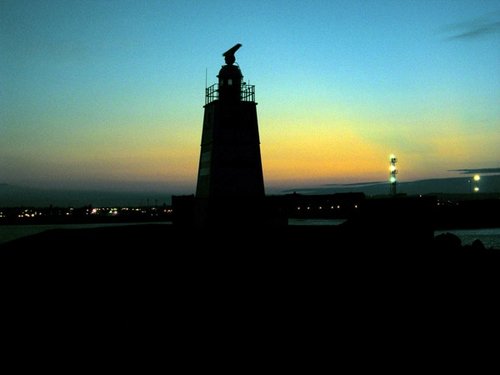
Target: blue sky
[{"x": 110, "y": 94}]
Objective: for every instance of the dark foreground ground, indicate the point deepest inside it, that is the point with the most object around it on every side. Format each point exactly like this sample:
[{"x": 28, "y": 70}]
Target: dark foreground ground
[{"x": 135, "y": 285}]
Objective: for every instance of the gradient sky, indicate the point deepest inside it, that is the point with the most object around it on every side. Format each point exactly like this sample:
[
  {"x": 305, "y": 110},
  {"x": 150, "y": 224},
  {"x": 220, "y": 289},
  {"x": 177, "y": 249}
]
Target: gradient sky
[{"x": 110, "y": 94}]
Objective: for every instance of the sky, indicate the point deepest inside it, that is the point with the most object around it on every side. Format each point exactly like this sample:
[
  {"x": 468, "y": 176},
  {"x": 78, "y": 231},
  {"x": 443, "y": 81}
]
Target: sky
[{"x": 103, "y": 94}]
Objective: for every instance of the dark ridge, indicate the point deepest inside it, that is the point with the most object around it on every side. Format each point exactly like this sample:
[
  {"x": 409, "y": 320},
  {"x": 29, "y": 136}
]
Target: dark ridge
[
  {"x": 157, "y": 245},
  {"x": 132, "y": 286}
]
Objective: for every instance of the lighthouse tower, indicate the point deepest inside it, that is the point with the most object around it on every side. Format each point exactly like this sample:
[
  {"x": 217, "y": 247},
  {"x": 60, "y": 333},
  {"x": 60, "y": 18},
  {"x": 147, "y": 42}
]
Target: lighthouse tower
[{"x": 230, "y": 187}]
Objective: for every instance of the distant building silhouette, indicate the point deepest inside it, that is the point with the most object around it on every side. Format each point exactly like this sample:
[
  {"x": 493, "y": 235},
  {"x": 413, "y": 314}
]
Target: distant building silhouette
[{"x": 230, "y": 186}]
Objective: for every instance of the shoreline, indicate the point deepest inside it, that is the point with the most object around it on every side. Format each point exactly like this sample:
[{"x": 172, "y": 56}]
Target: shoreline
[
  {"x": 32, "y": 228},
  {"x": 342, "y": 234}
]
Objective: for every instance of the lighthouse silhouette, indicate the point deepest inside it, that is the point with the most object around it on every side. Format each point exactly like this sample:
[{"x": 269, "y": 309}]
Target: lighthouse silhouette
[{"x": 230, "y": 186}]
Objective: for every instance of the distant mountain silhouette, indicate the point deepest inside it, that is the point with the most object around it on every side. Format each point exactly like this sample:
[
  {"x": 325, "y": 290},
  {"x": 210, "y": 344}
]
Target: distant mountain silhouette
[
  {"x": 13, "y": 195},
  {"x": 454, "y": 185}
]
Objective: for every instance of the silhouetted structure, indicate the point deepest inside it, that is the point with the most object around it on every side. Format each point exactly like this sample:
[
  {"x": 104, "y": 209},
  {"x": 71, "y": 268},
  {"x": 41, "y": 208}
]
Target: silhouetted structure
[
  {"x": 392, "y": 176},
  {"x": 230, "y": 186}
]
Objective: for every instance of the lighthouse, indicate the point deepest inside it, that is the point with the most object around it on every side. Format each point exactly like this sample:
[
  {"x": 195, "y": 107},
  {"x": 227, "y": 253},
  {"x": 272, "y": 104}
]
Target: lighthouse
[{"x": 230, "y": 184}]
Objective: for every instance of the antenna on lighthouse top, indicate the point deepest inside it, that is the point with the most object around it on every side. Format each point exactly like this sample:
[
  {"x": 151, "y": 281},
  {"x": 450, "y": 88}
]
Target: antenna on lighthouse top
[{"x": 229, "y": 54}]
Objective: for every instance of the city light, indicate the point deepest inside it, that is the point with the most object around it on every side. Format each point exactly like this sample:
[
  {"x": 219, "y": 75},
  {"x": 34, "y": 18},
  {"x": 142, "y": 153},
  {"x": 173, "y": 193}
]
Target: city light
[{"x": 474, "y": 183}]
